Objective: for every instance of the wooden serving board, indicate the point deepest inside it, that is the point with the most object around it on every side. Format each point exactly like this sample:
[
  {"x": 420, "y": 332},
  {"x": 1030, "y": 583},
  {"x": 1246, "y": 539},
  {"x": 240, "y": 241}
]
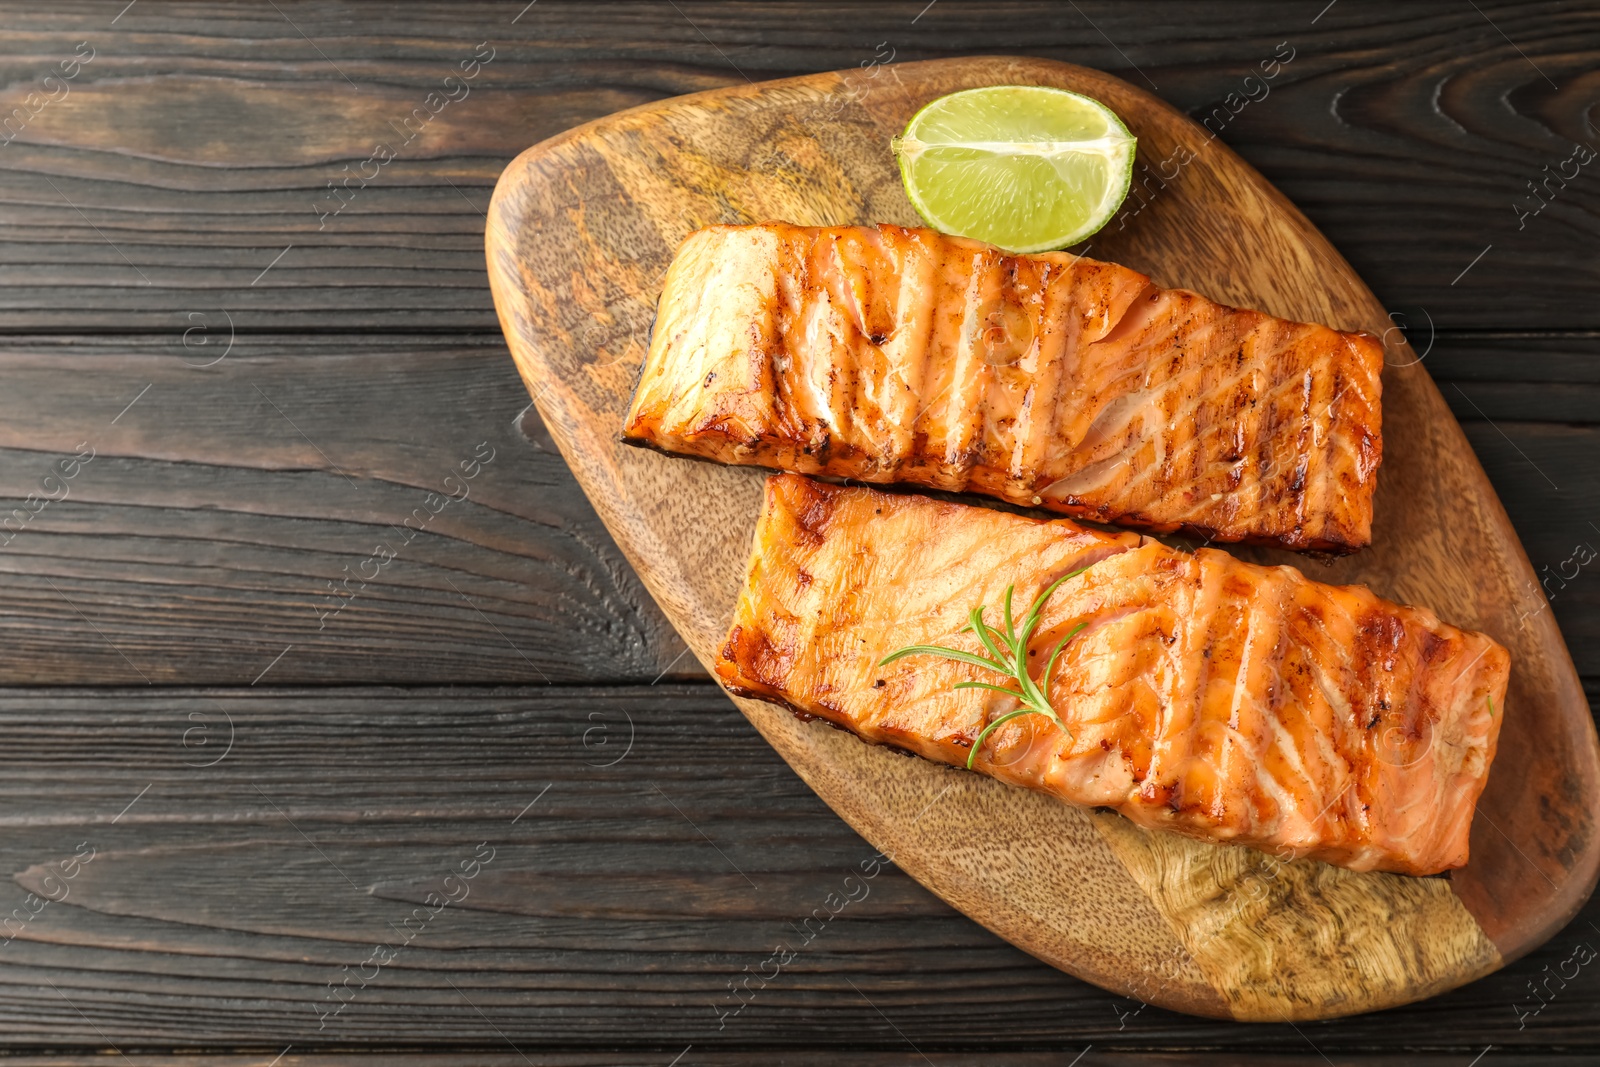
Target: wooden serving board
[{"x": 580, "y": 234}]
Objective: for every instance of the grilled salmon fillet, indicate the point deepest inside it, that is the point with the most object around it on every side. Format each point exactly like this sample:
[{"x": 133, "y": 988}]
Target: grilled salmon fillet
[
  {"x": 1222, "y": 700},
  {"x": 887, "y": 354}
]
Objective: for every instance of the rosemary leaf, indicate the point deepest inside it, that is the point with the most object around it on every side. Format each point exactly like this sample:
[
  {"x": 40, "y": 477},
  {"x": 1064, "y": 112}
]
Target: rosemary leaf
[
  {"x": 948, "y": 653},
  {"x": 987, "y": 730},
  {"x": 1009, "y": 651},
  {"x": 985, "y": 685}
]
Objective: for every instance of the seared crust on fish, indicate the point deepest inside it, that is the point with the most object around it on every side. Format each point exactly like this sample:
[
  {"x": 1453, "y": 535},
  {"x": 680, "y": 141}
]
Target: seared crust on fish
[
  {"x": 1218, "y": 699},
  {"x": 886, "y": 354}
]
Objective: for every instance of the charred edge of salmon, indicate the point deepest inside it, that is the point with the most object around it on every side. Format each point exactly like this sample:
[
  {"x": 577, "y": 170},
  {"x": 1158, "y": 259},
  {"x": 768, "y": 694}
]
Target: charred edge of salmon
[
  {"x": 1313, "y": 547},
  {"x": 804, "y": 716},
  {"x": 1324, "y": 549},
  {"x": 637, "y": 423},
  {"x": 810, "y": 716},
  {"x": 768, "y": 696},
  {"x": 649, "y": 445}
]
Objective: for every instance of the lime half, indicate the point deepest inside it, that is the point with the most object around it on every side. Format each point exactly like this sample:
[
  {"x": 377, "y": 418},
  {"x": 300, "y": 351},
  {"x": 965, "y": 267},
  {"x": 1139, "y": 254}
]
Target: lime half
[{"x": 1024, "y": 167}]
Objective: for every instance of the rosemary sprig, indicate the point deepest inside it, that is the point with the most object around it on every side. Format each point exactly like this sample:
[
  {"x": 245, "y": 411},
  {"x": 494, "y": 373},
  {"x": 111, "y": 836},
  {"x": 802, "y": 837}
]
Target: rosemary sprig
[{"x": 1008, "y": 655}]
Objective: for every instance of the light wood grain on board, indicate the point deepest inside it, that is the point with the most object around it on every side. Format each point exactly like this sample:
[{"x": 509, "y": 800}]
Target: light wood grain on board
[
  {"x": 1281, "y": 940},
  {"x": 581, "y": 230}
]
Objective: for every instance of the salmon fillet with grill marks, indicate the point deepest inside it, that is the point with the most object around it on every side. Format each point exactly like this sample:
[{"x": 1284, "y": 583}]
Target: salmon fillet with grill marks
[
  {"x": 895, "y": 355},
  {"x": 1222, "y": 700}
]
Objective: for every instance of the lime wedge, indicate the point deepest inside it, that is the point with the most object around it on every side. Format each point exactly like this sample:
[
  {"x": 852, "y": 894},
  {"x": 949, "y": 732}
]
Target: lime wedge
[{"x": 1024, "y": 167}]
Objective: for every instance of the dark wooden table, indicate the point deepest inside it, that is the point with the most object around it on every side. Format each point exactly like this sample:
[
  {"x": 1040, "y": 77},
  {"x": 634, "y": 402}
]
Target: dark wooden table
[{"x": 244, "y": 750}]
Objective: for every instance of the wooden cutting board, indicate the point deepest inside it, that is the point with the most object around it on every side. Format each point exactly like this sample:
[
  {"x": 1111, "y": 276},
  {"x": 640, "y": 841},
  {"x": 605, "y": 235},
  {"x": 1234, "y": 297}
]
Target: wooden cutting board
[{"x": 580, "y": 234}]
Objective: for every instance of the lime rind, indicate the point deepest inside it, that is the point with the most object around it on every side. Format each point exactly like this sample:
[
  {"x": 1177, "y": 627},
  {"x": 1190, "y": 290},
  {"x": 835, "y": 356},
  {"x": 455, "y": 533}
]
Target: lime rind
[{"x": 1026, "y": 168}]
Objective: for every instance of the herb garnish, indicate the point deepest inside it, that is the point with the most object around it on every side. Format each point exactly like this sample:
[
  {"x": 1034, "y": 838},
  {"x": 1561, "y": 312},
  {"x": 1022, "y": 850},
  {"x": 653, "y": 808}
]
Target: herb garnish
[{"x": 1012, "y": 661}]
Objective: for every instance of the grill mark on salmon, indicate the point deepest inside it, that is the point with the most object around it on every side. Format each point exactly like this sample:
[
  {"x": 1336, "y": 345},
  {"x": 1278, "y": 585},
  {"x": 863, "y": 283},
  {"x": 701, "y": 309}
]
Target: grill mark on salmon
[
  {"x": 1222, "y": 700},
  {"x": 887, "y": 354}
]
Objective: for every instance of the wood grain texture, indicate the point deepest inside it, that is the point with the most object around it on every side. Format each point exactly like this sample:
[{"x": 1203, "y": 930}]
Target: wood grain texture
[
  {"x": 206, "y": 920},
  {"x": 1264, "y": 932},
  {"x": 813, "y": 1058},
  {"x": 580, "y": 232},
  {"x": 502, "y": 1055},
  {"x": 853, "y": 1057},
  {"x": 207, "y": 527},
  {"x": 198, "y": 556},
  {"x": 1402, "y": 132},
  {"x": 198, "y": 143},
  {"x": 1505, "y": 377}
]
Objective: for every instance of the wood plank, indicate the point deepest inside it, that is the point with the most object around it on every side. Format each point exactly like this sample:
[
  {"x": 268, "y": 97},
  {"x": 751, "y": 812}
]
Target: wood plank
[
  {"x": 501, "y": 1055},
  {"x": 201, "y": 538},
  {"x": 209, "y": 232},
  {"x": 176, "y": 197},
  {"x": 1508, "y": 390},
  {"x": 1500, "y": 376},
  {"x": 226, "y": 507},
  {"x": 842, "y": 1057},
  {"x": 216, "y": 907},
  {"x": 1547, "y": 479}
]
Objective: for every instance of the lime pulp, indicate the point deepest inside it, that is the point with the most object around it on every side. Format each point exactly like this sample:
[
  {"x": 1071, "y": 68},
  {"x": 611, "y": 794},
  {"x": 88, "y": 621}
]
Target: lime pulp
[{"x": 1025, "y": 167}]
